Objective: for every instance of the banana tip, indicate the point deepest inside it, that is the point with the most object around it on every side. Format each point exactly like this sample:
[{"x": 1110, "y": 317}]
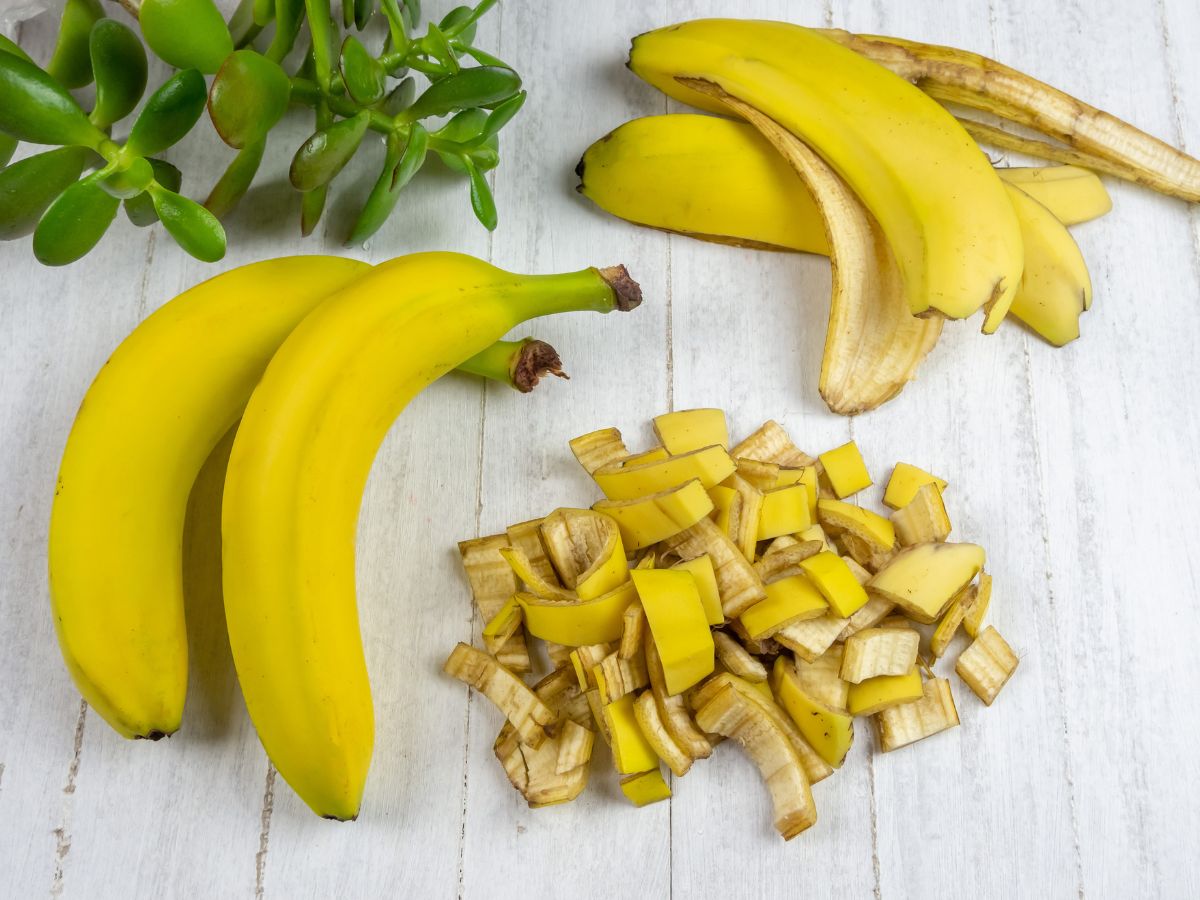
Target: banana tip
[{"x": 628, "y": 291}]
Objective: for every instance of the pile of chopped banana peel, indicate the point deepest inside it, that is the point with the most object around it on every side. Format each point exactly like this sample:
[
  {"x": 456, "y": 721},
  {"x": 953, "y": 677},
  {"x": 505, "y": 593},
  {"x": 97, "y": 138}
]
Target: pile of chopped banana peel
[{"x": 725, "y": 593}]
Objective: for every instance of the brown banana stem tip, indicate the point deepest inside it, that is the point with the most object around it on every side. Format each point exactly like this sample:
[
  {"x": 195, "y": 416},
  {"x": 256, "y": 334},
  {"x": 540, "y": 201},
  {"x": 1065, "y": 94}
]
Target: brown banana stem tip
[
  {"x": 628, "y": 291},
  {"x": 536, "y": 360}
]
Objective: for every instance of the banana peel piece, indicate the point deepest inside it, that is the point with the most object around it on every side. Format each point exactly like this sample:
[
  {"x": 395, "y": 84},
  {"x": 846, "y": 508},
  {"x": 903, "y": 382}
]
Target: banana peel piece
[
  {"x": 732, "y": 714},
  {"x": 493, "y": 584},
  {"x": 874, "y": 344},
  {"x": 645, "y": 710},
  {"x": 771, "y": 443},
  {"x": 957, "y": 76},
  {"x": 525, "y": 711},
  {"x": 645, "y": 521},
  {"x": 586, "y": 550},
  {"x": 673, "y": 709},
  {"x": 737, "y": 582}
]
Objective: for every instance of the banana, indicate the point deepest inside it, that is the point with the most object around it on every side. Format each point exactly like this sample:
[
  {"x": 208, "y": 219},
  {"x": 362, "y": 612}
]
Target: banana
[
  {"x": 144, "y": 429},
  {"x": 154, "y": 413},
  {"x": 968, "y": 79},
  {"x": 295, "y": 481},
  {"x": 738, "y": 201},
  {"x": 874, "y": 344},
  {"x": 943, "y": 210},
  {"x": 1056, "y": 288}
]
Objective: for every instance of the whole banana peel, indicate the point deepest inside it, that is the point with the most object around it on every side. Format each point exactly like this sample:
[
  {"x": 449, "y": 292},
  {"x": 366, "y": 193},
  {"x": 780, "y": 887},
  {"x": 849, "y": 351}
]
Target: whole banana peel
[
  {"x": 972, "y": 80},
  {"x": 932, "y": 191},
  {"x": 161, "y": 403},
  {"x": 296, "y": 476}
]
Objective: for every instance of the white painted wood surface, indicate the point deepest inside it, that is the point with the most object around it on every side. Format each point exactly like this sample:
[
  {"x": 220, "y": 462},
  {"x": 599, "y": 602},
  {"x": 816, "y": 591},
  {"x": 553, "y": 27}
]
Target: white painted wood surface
[{"x": 1074, "y": 467}]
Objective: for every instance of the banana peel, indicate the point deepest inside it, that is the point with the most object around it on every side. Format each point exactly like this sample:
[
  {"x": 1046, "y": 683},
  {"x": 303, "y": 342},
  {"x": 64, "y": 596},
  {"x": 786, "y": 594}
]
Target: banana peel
[{"x": 968, "y": 79}]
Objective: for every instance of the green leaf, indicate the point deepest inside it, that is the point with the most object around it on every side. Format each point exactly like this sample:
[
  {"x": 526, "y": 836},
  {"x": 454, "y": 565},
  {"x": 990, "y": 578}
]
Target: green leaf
[
  {"x": 236, "y": 179},
  {"x": 502, "y": 114},
  {"x": 187, "y": 34},
  {"x": 473, "y": 87},
  {"x": 71, "y": 64},
  {"x": 193, "y": 227},
  {"x": 312, "y": 205},
  {"x": 463, "y": 127},
  {"x": 140, "y": 209},
  {"x": 399, "y": 98},
  {"x": 248, "y": 97},
  {"x": 399, "y": 167},
  {"x": 36, "y": 108},
  {"x": 460, "y": 22},
  {"x": 362, "y": 73},
  {"x": 74, "y": 223},
  {"x": 482, "y": 201},
  {"x": 397, "y": 29},
  {"x": 120, "y": 66},
  {"x": 126, "y": 183},
  {"x": 323, "y": 155},
  {"x": 8, "y": 146},
  {"x": 436, "y": 44},
  {"x": 29, "y": 186},
  {"x": 321, "y": 25},
  {"x": 485, "y": 59},
  {"x": 264, "y": 12},
  {"x": 8, "y": 45},
  {"x": 289, "y": 15},
  {"x": 362, "y": 12},
  {"x": 168, "y": 115}
]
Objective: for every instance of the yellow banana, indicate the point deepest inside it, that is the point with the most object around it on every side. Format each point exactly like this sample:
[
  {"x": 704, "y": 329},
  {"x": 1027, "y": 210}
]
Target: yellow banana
[
  {"x": 750, "y": 193},
  {"x": 1056, "y": 288},
  {"x": 144, "y": 429},
  {"x": 295, "y": 481},
  {"x": 942, "y": 208}
]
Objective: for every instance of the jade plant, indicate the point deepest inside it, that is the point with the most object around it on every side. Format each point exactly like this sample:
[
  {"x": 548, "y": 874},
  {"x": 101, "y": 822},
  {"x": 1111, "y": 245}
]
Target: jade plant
[{"x": 421, "y": 94}]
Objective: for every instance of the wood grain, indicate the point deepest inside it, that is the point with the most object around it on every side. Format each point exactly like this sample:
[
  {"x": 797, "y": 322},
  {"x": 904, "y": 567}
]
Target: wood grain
[{"x": 1074, "y": 467}]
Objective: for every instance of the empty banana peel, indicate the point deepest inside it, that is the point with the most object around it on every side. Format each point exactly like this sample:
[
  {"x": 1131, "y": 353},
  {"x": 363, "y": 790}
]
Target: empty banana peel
[
  {"x": 874, "y": 344},
  {"x": 732, "y": 714},
  {"x": 969, "y": 79}
]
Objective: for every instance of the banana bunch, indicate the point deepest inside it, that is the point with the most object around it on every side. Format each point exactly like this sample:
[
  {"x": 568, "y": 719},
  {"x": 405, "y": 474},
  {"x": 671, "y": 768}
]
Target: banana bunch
[
  {"x": 316, "y": 356},
  {"x": 845, "y": 150}
]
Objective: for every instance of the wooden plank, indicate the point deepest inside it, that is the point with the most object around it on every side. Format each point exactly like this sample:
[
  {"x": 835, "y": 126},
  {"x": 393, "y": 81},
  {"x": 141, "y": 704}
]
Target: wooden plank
[
  {"x": 1122, "y": 399},
  {"x": 617, "y": 378}
]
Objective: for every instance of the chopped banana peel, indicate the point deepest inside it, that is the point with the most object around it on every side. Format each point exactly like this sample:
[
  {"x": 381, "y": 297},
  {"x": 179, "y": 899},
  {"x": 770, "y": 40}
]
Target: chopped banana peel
[
  {"x": 699, "y": 608},
  {"x": 645, "y": 788},
  {"x": 635, "y": 631},
  {"x": 906, "y": 480},
  {"x": 710, "y": 465},
  {"x": 829, "y": 731},
  {"x": 922, "y": 580},
  {"x": 692, "y": 429},
  {"x": 646, "y": 521},
  {"x": 731, "y": 714},
  {"x": 737, "y": 582},
  {"x": 649, "y": 719},
  {"x": 528, "y": 715},
  {"x": 969, "y": 79},
  {"x": 809, "y": 638},
  {"x": 879, "y": 651},
  {"x": 977, "y": 605},
  {"x": 907, "y": 723},
  {"x": 987, "y": 664},
  {"x": 924, "y": 519},
  {"x": 822, "y": 680},
  {"x": 737, "y": 659},
  {"x": 673, "y": 709},
  {"x": 845, "y": 469},
  {"x": 784, "y": 511},
  {"x": 770, "y": 443}
]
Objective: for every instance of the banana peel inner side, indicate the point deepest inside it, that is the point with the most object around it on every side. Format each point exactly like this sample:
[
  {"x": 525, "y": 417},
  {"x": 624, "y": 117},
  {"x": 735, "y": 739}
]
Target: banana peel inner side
[{"x": 874, "y": 344}]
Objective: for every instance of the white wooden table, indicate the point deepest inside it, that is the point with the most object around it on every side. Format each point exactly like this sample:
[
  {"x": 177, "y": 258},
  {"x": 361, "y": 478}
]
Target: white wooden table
[{"x": 1075, "y": 467}]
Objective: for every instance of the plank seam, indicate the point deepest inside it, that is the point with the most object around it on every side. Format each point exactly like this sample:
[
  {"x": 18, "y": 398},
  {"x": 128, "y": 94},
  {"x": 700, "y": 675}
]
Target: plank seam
[
  {"x": 264, "y": 836},
  {"x": 143, "y": 288},
  {"x": 62, "y": 834},
  {"x": 1056, "y": 661},
  {"x": 1177, "y": 121}
]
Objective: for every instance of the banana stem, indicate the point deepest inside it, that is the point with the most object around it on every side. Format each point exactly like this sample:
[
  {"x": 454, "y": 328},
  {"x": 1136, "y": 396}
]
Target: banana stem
[
  {"x": 589, "y": 290},
  {"x": 520, "y": 364}
]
